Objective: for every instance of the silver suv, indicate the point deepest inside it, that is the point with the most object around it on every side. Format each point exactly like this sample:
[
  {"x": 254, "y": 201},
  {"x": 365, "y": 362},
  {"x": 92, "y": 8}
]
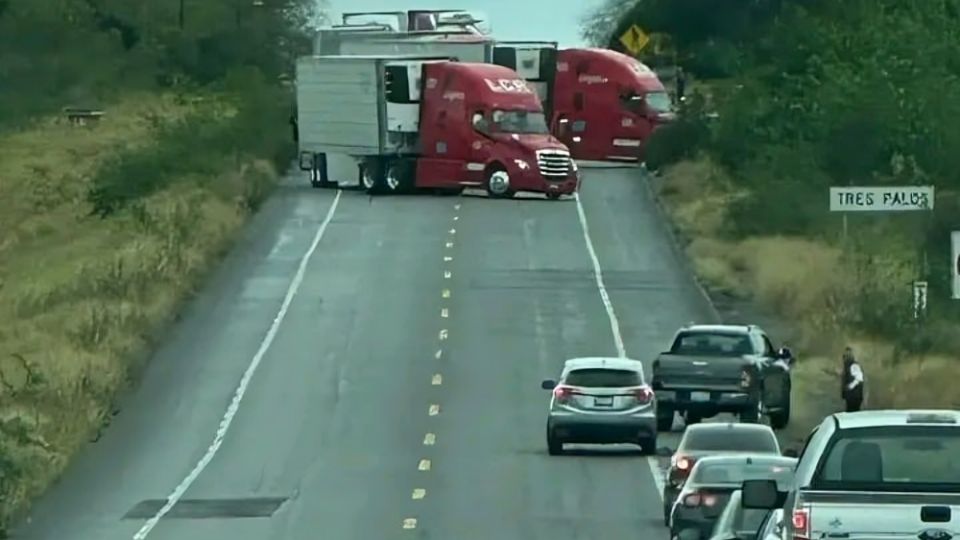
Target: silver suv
[{"x": 601, "y": 401}]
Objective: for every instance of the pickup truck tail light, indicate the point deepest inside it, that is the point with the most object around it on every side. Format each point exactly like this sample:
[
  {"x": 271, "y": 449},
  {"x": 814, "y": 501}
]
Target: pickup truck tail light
[
  {"x": 694, "y": 500},
  {"x": 801, "y": 523}
]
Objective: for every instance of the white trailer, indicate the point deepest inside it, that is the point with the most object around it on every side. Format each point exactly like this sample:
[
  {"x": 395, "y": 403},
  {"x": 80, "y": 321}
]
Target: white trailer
[
  {"x": 346, "y": 112},
  {"x": 534, "y": 61}
]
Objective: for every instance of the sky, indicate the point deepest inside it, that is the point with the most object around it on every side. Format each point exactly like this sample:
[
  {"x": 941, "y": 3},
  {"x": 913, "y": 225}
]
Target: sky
[{"x": 511, "y": 20}]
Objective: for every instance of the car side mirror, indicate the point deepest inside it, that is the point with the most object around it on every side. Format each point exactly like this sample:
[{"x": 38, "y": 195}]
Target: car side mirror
[
  {"x": 762, "y": 495},
  {"x": 548, "y": 384},
  {"x": 689, "y": 534}
]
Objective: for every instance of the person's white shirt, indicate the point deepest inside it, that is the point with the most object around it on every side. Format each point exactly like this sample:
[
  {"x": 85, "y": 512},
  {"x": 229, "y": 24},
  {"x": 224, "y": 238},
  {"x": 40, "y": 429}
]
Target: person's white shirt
[{"x": 856, "y": 372}]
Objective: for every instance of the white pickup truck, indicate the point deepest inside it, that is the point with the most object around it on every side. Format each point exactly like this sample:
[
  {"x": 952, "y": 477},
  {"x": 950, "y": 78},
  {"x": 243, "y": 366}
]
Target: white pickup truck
[{"x": 872, "y": 475}]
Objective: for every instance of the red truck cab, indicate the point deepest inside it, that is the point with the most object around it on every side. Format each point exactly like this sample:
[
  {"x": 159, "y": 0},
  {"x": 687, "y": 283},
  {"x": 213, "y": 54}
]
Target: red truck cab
[
  {"x": 606, "y": 104},
  {"x": 483, "y": 126}
]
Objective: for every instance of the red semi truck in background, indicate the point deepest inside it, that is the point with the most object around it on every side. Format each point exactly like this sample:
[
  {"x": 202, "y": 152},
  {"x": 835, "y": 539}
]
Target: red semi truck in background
[
  {"x": 603, "y": 104},
  {"x": 410, "y": 122}
]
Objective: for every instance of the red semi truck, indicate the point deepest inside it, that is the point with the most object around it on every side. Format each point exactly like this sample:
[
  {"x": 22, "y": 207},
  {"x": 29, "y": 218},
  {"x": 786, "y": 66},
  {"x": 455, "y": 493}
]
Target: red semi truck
[
  {"x": 410, "y": 122},
  {"x": 601, "y": 103}
]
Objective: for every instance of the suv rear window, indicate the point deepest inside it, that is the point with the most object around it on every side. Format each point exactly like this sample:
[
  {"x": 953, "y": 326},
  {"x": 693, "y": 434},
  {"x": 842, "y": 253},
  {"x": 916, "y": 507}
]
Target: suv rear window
[
  {"x": 892, "y": 458},
  {"x": 730, "y": 440},
  {"x": 712, "y": 344},
  {"x": 603, "y": 378}
]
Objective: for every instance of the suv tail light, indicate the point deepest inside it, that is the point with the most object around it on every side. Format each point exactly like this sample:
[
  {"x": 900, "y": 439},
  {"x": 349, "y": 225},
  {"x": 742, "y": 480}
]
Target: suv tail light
[
  {"x": 801, "y": 523},
  {"x": 643, "y": 395},
  {"x": 562, "y": 393}
]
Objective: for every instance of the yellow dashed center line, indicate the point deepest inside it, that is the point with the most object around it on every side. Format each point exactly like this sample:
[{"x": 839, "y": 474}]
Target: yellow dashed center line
[
  {"x": 444, "y": 334},
  {"x": 438, "y": 354},
  {"x": 424, "y": 465},
  {"x": 449, "y": 245},
  {"x": 447, "y": 274},
  {"x": 410, "y": 523},
  {"x": 445, "y": 293},
  {"x": 444, "y": 313},
  {"x": 429, "y": 439},
  {"x": 434, "y": 410},
  {"x": 418, "y": 494},
  {"x": 447, "y": 259},
  {"x": 453, "y": 231},
  {"x": 437, "y": 380}
]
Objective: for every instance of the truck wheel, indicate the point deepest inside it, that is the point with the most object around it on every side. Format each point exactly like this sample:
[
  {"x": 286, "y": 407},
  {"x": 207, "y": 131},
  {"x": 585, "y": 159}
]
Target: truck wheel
[
  {"x": 648, "y": 446},
  {"x": 751, "y": 415},
  {"x": 664, "y": 419},
  {"x": 372, "y": 177},
  {"x": 780, "y": 419},
  {"x": 399, "y": 176},
  {"x": 553, "y": 195},
  {"x": 498, "y": 183}
]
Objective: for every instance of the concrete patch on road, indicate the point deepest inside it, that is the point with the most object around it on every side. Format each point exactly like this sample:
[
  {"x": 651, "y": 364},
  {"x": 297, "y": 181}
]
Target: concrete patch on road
[{"x": 252, "y": 507}]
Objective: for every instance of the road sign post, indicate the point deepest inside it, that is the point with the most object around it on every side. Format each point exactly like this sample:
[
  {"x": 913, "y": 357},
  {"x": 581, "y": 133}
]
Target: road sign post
[
  {"x": 919, "y": 299},
  {"x": 850, "y": 199},
  {"x": 955, "y": 263},
  {"x": 634, "y": 39}
]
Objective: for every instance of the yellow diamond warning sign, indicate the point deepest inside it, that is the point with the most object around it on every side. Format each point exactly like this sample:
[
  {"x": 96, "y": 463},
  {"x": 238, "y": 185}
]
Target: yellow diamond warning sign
[{"x": 634, "y": 39}]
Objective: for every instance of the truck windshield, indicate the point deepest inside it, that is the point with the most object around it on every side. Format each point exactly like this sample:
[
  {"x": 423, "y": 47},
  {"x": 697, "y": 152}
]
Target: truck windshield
[
  {"x": 520, "y": 122},
  {"x": 658, "y": 102},
  {"x": 712, "y": 344},
  {"x": 904, "y": 458}
]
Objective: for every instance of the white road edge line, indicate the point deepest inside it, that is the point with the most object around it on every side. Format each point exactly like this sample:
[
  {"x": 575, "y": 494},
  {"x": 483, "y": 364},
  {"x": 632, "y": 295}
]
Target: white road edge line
[
  {"x": 231, "y": 411},
  {"x": 655, "y": 469}
]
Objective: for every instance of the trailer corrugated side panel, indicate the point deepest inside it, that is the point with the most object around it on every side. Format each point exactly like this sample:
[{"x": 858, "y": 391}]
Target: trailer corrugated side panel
[
  {"x": 481, "y": 52},
  {"x": 339, "y": 105}
]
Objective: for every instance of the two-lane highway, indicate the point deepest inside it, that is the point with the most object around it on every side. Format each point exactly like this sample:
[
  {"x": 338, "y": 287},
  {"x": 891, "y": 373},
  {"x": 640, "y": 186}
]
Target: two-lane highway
[{"x": 387, "y": 385}]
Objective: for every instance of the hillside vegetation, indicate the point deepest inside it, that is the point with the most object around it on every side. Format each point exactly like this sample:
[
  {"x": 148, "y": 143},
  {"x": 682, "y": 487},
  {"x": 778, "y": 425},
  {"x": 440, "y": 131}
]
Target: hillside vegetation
[
  {"x": 106, "y": 228},
  {"x": 810, "y": 95}
]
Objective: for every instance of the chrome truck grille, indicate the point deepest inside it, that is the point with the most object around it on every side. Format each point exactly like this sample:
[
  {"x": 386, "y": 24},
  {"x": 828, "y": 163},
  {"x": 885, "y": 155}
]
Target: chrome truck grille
[{"x": 553, "y": 164}]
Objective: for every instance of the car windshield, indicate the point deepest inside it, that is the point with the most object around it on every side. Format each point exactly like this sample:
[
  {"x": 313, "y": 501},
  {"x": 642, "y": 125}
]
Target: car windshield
[
  {"x": 702, "y": 343},
  {"x": 735, "y": 472},
  {"x": 730, "y": 440},
  {"x": 603, "y": 378},
  {"x": 520, "y": 122},
  {"x": 892, "y": 458},
  {"x": 658, "y": 101}
]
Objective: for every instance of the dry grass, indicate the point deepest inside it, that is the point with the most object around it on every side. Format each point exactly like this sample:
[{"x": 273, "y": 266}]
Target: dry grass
[
  {"x": 809, "y": 284},
  {"x": 80, "y": 297}
]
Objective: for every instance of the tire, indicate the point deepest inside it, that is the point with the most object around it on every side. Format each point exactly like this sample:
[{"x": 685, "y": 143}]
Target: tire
[
  {"x": 498, "y": 183},
  {"x": 780, "y": 419},
  {"x": 553, "y": 196},
  {"x": 372, "y": 176},
  {"x": 398, "y": 177},
  {"x": 751, "y": 415},
  {"x": 554, "y": 445},
  {"x": 664, "y": 420},
  {"x": 648, "y": 446}
]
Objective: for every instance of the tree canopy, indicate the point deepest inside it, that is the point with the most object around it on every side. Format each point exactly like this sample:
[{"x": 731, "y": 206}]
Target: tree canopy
[{"x": 73, "y": 52}]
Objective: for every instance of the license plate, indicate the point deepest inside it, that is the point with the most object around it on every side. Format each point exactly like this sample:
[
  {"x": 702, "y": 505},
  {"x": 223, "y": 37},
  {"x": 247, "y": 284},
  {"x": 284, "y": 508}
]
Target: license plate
[
  {"x": 699, "y": 396},
  {"x": 606, "y": 401}
]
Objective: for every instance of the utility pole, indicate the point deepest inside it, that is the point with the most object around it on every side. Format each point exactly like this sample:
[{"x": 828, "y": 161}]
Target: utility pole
[{"x": 181, "y": 15}]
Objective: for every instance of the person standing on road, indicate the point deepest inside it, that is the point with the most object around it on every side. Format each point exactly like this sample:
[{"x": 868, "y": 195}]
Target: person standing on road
[{"x": 853, "y": 382}]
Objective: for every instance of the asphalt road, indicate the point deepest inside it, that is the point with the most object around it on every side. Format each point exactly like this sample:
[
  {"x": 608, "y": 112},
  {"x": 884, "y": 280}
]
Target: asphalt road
[{"x": 397, "y": 393}]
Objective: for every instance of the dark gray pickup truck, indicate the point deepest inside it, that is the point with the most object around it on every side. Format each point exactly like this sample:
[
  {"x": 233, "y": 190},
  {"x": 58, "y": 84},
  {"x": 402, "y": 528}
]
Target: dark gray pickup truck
[{"x": 712, "y": 369}]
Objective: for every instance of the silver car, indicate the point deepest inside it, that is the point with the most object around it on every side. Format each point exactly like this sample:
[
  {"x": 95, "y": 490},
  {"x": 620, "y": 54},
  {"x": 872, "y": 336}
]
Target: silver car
[{"x": 601, "y": 401}]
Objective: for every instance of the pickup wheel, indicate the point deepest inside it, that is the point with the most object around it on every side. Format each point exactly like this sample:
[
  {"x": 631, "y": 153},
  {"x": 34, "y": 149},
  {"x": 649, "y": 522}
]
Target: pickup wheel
[
  {"x": 780, "y": 419},
  {"x": 751, "y": 415},
  {"x": 664, "y": 419}
]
